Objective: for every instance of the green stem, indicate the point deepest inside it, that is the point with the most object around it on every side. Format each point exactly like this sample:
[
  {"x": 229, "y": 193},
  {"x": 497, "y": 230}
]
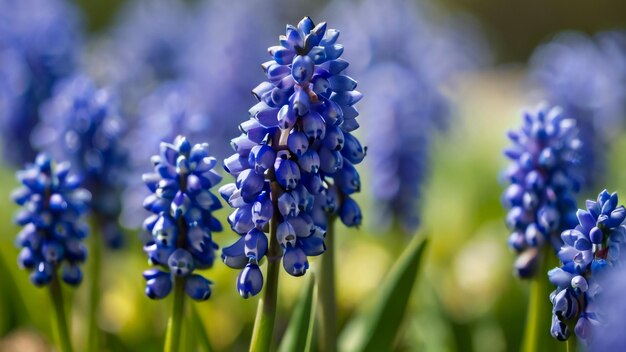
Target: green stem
[
  {"x": 94, "y": 294},
  {"x": 266, "y": 312},
  {"x": 571, "y": 344},
  {"x": 327, "y": 293},
  {"x": 536, "y": 334},
  {"x": 174, "y": 325},
  {"x": 62, "y": 331}
]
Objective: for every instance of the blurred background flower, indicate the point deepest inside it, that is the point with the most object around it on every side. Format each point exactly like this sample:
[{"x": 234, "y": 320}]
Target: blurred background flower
[
  {"x": 39, "y": 44},
  {"x": 443, "y": 82}
]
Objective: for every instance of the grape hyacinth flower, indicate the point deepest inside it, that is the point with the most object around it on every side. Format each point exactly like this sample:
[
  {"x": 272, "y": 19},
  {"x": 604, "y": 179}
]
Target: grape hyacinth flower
[
  {"x": 82, "y": 123},
  {"x": 53, "y": 205},
  {"x": 39, "y": 42},
  {"x": 586, "y": 77},
  {"x": 543, "y": 176},
  {"x": 401, "y": 163},
  {"x": 296, "y": 156},
  {"x": 182, "y": 223},
  {"x": 594, "y": 246},
  {"x": 419, "y": 55}
]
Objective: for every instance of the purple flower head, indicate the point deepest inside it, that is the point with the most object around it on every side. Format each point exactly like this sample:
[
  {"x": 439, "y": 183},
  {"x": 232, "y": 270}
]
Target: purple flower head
[
  {"x": 406, "y": 62},
  {"x": 82, "y": 124},
  {"x": 543, "y": 179},
  {"x": 53, "y": 230},
  {"x": 295, "y": 158},
  {"x": 39, "y": 41},
  {"x": 182, "y": 223},
  {"x": 594, "y": 246},
  {"x": 586, "y": 77},
  {"x": 400, "y": 146}
]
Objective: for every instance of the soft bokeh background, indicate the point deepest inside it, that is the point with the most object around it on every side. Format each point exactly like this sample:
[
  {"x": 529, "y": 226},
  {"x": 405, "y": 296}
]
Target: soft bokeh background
[{"x": 468, "y": 298}]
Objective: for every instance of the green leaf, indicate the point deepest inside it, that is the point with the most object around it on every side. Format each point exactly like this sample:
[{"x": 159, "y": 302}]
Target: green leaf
[
  {"x": 199, "y": 330},
  {"x": 299, "y": 334},
  {"x": 376, "y": 328}
]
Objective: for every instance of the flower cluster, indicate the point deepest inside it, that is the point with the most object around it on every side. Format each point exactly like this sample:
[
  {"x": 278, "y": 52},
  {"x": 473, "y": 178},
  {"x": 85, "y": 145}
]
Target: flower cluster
[
  {"x": 39, "y": 41},
  {"x": 586, "y": 77},
  {"x": 405, "y": 62},
  {"x": 182, "y": 223},
  {"x": 82, "y": 124},
  {"x": 543, "y": 178},
  {"x": 400, "y": 164},
  {"x": 594, "y": 245},
  {"x": 295, "y": 159},
  {"x": 52, "y": 238}
]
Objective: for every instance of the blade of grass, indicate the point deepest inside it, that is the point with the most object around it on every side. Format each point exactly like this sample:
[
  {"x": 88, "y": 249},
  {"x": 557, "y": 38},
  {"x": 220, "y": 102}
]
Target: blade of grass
[
  {"x": 299, "y": 331},
  {"x": 377, "y": 328}
]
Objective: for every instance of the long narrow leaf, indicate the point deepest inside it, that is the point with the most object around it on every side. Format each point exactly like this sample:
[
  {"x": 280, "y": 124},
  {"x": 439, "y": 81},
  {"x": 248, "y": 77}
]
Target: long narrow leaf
[
  {"x": 299, "y": 334},
  {"x": 376, "y": 328}
]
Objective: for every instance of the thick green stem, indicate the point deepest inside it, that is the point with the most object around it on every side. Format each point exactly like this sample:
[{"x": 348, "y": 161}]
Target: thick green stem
[
  {"x": 174, "y": 325},
  {"x": 94, "y": 294},
  {"x": 62, "y": 331},
  {"x": 266, "y": 312},
  {"x": 327, "y": 295},
  {"x": 537, "y": 332}
]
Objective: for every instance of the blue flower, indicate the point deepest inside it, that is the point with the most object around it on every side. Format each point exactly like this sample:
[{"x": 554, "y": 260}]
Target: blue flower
[
  {"x": 594, "y": 246},
  {"x": 182, "y": 223},
  {"x": 400, "y": 164},
  {"x": 404, "y": 62},
  {"x": 298, "y": 139},
  {"x": 82, "y": 124},
  {"x": 39, "y": 42},
  {"x": 53, "y": 230},
  {"x": 586, "y": 77},
  {"x": 543, "y": 176}
]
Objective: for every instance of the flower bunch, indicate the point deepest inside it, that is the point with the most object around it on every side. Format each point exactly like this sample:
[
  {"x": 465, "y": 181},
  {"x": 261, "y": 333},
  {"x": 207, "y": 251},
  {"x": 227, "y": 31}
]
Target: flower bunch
[
  {"x": 596, "y": 244},
  {"x": 543, "y": 176},
  {"x": 82, "y": 123},
  {"x": 39, "y": 42},
  {"x": 182, "y": 224},
  {"x": 295, "y": 159},
  {"x": 401, "y": 163},
  {"x": 53, "y": 203}
]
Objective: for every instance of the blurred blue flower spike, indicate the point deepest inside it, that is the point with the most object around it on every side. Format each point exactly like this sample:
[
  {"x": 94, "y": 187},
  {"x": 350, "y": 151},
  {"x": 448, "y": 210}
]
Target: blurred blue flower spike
[
  {"x": 543, "y": 178},
  {"x": 39, "y": 45}
]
